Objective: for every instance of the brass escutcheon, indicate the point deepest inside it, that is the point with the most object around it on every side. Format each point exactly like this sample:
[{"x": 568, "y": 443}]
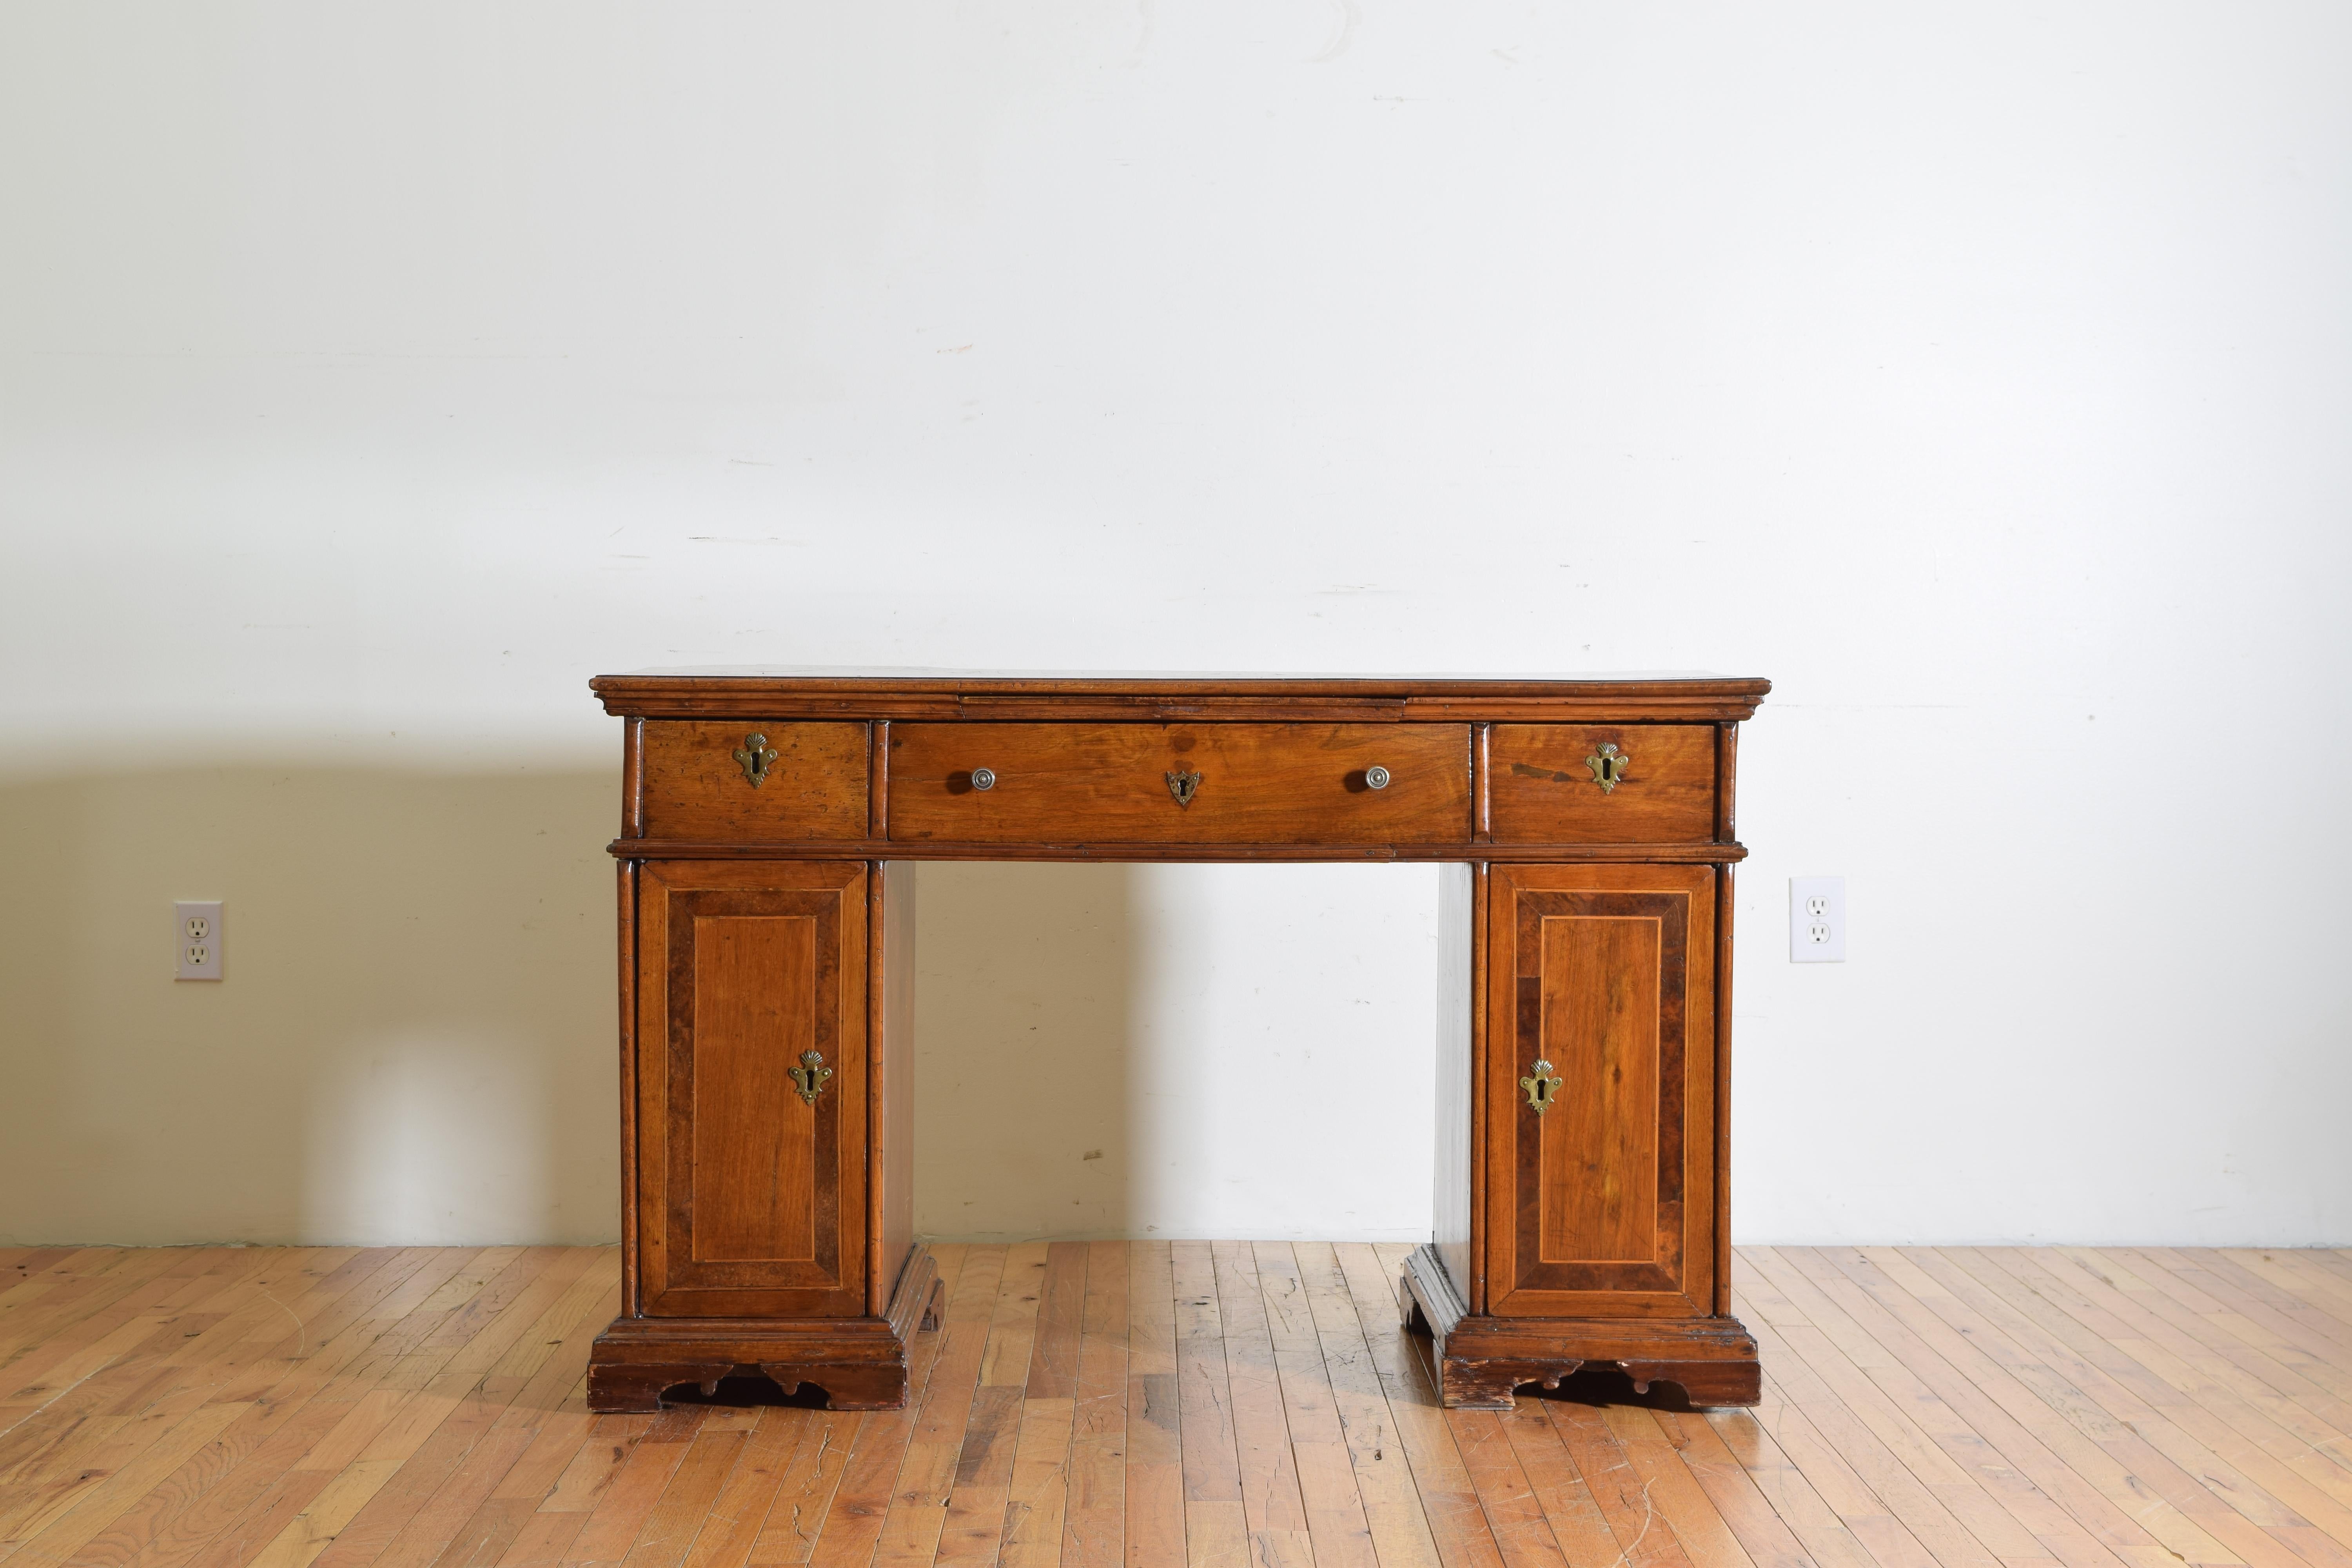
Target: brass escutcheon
[
  {"x": 809, "y": 1078},
  {"x": 1608, "y": 765},
  {"x": 1182, "y": 786},
  {"x": 1542, "y": 1087},
  {"x": 757, "y": 757}
]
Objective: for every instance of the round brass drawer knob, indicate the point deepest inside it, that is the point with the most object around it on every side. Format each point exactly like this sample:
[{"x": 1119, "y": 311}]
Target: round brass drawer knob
[
  {"x": 984, "y": 778},
  {"x": 1376, "y": 777}
]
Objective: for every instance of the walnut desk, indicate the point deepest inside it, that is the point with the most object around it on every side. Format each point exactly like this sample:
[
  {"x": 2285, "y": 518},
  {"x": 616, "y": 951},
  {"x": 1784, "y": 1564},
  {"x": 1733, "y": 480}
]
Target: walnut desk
[{"x": 766, "y": 925}]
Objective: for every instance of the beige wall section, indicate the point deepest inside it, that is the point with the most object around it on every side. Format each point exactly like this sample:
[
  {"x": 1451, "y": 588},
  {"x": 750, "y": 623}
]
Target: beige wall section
[
  {"x": 1021, "y": 1013},
  {"x": 414, "y": 1042},
  {"x": 1190, "y": 1051}
]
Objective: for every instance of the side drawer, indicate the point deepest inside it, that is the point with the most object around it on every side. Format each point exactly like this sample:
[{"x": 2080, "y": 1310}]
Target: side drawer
[
  {"x": 1111, "y": 783},
  {"x": 695, "y": 786},
  {"x": 1543, "y": 787}
]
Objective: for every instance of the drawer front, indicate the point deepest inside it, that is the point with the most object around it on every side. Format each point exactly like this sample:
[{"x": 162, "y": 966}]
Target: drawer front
[
  {"x": 1543, "y": 787},
  {"x": 695, "y": 786},
  {"x": 1110, "y": 783}
]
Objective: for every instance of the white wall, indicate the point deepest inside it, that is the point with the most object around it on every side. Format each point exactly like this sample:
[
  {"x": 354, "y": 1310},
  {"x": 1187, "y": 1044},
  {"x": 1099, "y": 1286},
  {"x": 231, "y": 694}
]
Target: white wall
[
  {"x": 1189, "y": 1051},
  {"x": 371, "y": 377}
]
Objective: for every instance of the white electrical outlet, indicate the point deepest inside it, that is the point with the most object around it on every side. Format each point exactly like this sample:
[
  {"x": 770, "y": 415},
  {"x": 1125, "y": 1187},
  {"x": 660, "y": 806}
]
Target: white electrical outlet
[
  {"x": 1817, "y": 919},
  {"x": 196, "y": 934}
]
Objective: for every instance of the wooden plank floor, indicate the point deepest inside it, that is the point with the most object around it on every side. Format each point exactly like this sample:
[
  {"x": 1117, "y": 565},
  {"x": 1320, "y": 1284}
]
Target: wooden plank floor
[{"x": 1177, "y": 1406}]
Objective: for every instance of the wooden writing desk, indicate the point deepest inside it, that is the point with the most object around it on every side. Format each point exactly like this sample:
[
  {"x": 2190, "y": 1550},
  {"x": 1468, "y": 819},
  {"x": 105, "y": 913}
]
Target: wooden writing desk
[{"x": 767, "y": 972}]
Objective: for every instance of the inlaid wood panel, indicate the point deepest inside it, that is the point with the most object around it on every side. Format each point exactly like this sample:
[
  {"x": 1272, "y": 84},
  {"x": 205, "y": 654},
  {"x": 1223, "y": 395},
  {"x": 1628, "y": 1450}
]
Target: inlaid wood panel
[
  {"x": 1542, "y": 789},
  {"x": 1601, "y": 984},
  {"x": 1602, "y": 1204},
  {"x": 695, "y": 788},
  {"x": 1259, "y": 784},
  {"x": 751, "y": 1198}
]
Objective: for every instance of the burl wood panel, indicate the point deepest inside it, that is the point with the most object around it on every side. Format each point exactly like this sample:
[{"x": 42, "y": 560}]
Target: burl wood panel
[
  {"x": 1541, "y": 790},
  {"x": 749, "y": 1199},
  {"x": 694, "y": 789},
  {"x": 1603, "y": 1204},
  {"x": 1260, "y": 783}
]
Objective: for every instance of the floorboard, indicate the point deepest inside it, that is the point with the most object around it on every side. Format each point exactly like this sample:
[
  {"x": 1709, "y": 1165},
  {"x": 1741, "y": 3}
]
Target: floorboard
[{"x": 1184, "y": 1405}]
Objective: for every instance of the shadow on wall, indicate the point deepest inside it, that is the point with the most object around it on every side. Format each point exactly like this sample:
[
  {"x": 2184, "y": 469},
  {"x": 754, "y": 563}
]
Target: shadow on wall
[{"x": 414, "y": 1043}]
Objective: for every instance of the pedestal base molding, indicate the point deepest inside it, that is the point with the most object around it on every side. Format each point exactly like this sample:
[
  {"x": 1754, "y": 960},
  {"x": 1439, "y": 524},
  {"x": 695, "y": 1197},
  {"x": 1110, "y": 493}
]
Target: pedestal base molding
[
  {"x": 859, "y": 1362},
  {"x": 1482, "y": 1359}
]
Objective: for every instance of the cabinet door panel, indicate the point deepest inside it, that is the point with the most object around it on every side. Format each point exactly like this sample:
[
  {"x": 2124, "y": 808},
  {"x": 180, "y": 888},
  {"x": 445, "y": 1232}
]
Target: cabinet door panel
[
  {"x": 755, "y": 984},
  {"x": 1602, "y": 1204},
  {"x": 751, "y": 1198}
]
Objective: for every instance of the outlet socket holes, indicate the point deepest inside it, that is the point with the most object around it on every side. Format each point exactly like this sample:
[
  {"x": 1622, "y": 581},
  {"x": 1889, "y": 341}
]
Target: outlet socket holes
[
  {"x": 196, "y": 939},
  {"x": 1817, "y": 919}
]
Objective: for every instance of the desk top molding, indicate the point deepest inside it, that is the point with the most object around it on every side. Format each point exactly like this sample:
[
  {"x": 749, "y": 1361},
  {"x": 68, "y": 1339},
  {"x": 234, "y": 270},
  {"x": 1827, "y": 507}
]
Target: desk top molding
[{"x": 768, "y": 692}]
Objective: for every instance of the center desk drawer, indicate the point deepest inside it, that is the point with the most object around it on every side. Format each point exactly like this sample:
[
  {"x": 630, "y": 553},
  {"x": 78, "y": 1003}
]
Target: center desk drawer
[{"x": 1119, "y": 783}]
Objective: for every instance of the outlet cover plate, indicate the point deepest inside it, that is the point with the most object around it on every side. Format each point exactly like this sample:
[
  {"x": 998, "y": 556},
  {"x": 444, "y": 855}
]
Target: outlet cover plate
[
  {"x": 196, "y": 937},
  {"x": 1817, "y": 919}
]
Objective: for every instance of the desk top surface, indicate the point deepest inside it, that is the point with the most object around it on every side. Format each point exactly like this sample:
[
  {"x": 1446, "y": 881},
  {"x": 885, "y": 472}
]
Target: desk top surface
[{"x": 764, "y": 691}]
